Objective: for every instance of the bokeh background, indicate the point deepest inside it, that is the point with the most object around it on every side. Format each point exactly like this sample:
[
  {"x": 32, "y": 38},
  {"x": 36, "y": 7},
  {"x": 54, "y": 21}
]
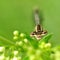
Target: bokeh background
[{"x": 17, "y": 15}]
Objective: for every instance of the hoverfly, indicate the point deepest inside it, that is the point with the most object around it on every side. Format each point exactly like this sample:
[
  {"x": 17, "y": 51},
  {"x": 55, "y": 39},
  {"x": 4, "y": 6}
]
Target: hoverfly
[{"x": 38, "y": 33}]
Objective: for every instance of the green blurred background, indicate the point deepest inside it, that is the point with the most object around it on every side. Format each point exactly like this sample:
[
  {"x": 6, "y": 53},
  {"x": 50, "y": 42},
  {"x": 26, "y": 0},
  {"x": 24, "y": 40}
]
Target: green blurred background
[{"x": 17, "y": 15}]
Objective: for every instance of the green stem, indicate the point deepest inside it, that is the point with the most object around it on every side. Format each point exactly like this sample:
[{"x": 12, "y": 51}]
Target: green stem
[{"x": 6, "y": 40}]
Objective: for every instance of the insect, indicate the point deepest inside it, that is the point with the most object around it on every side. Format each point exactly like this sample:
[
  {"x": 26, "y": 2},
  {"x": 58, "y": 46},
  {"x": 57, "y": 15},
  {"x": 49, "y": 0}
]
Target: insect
[{"x": 38, "y": 32}]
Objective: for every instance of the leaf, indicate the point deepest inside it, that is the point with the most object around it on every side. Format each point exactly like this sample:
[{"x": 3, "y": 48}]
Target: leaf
[
  {"x": 46, "y": 38},
  {"x": 46, "y": 55},
  {"x": 33, "y": 42},
  {"x": 6, "y": 41},
  {"x": 26, "y": 58}
]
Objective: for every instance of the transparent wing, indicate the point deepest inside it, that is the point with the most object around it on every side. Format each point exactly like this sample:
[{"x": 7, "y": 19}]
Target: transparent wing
[{"x": 36, "y": 16}]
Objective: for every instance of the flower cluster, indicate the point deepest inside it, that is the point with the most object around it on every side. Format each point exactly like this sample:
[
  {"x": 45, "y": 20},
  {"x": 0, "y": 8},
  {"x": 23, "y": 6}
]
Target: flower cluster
[{"x": 26, "y": 48}]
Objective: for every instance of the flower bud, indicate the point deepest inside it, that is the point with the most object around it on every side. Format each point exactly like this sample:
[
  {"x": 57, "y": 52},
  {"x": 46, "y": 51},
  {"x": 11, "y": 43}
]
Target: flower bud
[
  {"x": 20, "y": 43},
  {"x": 22, "y": 35},
  {"x": 48, "y": 45},
  {"x": 2, "y": 49},
  {"x": 14, "y": 58},
  {"x": 15, "y": 53},
  {"x": 42, "y": 45},
  {"x": 32, "y": 57},
  {"x": 15, "y": 37},
  {"x": 25, "y": 40},
  {"x": 16, "y": 33}
]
